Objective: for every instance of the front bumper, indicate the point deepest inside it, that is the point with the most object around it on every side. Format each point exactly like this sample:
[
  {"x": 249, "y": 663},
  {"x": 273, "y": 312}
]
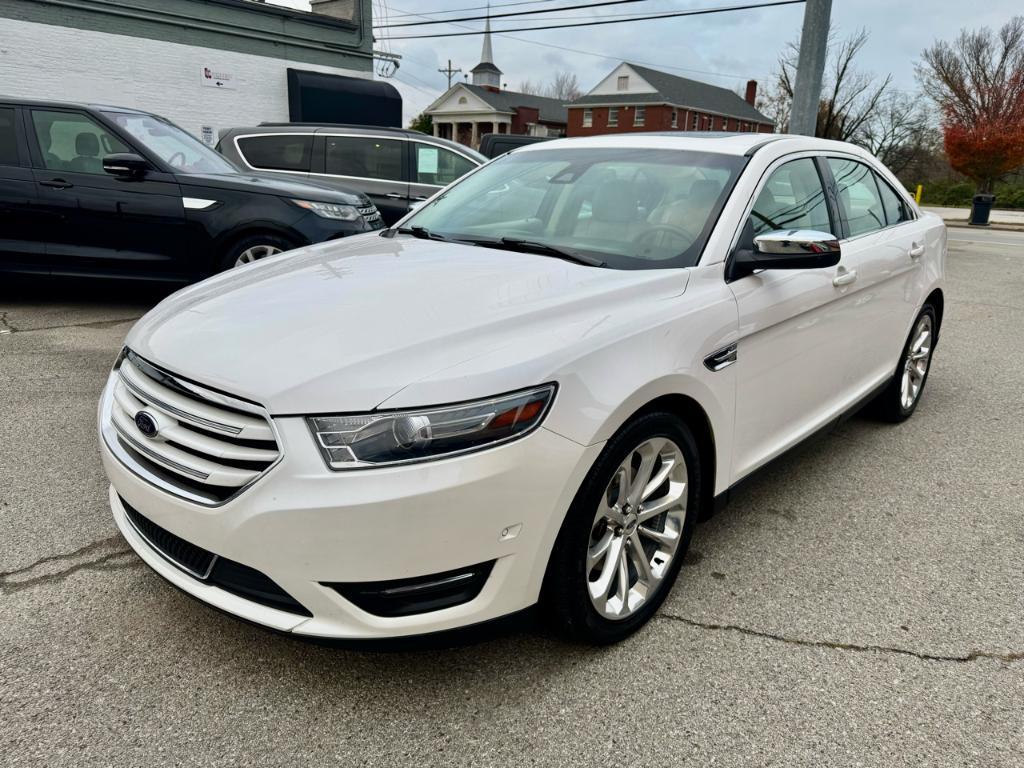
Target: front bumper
[{"x": 306, "y": 527}]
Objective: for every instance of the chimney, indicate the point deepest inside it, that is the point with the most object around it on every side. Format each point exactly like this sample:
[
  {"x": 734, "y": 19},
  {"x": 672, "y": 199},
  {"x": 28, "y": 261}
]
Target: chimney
[{"x": 751, "y": 96}]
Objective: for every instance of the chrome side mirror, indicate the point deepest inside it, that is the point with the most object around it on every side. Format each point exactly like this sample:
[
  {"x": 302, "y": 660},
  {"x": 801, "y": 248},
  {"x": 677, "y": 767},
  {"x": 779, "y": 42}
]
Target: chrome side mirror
[
  {"x": 809, "y": 243},
  {"x": 786, "y": 249}
]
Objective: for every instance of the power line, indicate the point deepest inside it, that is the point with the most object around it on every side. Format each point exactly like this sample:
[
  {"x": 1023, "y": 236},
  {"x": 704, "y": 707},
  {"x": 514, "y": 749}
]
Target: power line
[
  {"x": 677, "y": 14},
  {"x": 473, "y": 8},
  {"x": 583, "y": 52},
  {"x": 512, "y": 13}
]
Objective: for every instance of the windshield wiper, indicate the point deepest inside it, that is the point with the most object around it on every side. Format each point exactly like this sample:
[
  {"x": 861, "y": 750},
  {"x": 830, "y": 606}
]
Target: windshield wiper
[
  {"x": 545, "y": 249},
  {"x": 423, "y": 233}
]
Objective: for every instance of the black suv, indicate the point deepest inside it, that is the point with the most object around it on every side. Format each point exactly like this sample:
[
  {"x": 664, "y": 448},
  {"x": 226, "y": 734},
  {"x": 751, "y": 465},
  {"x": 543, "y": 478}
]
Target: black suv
[
  {"x": 398, "y": 168},
  {"x": 97, "y": 190}
]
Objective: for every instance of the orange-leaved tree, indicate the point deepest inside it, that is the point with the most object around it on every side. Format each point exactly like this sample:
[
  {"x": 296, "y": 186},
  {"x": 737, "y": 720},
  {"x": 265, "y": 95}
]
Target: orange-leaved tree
[
  {"x": 984, "y": 151},
  {"x": 978, "y": 83}
]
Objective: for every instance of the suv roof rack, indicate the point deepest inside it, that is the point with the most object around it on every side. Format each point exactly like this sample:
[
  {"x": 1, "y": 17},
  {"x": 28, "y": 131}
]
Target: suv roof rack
[{"x": 391, "y": 128}]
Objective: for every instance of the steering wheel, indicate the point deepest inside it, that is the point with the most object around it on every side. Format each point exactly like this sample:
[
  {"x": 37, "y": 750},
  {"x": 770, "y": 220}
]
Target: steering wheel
[
  {"x": 176, "y": 156},
  {"x": 655, "y": 229}
]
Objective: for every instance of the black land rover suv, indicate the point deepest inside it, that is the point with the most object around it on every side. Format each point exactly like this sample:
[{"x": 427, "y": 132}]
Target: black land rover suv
[{"x": 97, "y": 190}]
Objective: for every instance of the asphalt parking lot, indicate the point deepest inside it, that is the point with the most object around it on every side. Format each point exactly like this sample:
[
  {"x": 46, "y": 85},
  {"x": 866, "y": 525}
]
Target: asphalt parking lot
[{"x": 861, "y": 604}]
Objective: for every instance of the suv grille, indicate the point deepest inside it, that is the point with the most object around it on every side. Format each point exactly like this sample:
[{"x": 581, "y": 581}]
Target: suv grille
[
  {"x": 187, "y": 435},
  {"x": 370, "y": 213}
]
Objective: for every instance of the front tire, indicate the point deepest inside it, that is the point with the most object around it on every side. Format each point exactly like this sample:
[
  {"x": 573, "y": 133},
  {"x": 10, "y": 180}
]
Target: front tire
[
  {"x": 623, "y": 541},
  {"x": 898, "y": 401},
  {"x": 252, "y": 248}
]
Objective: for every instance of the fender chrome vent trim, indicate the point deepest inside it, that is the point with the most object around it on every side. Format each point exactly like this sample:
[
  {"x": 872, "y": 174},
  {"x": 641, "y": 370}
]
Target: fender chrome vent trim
[{"x": 723, "y": 358}]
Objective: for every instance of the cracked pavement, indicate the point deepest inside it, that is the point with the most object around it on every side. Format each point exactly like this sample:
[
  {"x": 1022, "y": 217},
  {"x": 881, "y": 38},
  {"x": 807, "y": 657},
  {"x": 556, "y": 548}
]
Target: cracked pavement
[{"x": 859, "y": 604}]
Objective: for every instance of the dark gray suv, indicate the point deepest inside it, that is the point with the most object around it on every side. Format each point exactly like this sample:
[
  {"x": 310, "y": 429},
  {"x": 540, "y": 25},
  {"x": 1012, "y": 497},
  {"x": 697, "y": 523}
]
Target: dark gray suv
[{"x": 394, "y": 167}]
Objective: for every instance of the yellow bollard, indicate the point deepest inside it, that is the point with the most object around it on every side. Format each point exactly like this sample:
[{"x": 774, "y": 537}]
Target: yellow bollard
[{"x": 917, "y": 197}]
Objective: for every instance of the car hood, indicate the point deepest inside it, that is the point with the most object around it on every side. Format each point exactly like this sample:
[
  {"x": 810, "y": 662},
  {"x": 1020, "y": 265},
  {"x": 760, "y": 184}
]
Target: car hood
[
  {"x": 342, "y": 326},
  {"x": 274, "y": 184}
]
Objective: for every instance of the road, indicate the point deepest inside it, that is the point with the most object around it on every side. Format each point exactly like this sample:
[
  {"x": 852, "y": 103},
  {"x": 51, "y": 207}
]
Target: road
[{"x": 859, "y": 605}]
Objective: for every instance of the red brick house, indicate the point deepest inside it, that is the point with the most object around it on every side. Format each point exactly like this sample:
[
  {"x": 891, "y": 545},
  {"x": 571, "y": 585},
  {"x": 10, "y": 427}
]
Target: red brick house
[{"x": 635, "y": 98}]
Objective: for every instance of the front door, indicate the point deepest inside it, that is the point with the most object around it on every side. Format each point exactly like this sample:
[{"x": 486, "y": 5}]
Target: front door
[
  {"x": 99, "y": 221},
  {"x": 375, "y": 167},
  {"x": 795, "y": 339}
]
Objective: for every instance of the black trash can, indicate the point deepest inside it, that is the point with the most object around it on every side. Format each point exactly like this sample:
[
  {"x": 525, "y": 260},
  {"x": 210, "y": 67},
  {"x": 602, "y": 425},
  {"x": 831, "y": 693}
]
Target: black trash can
[{"x": 981, "y": 209}]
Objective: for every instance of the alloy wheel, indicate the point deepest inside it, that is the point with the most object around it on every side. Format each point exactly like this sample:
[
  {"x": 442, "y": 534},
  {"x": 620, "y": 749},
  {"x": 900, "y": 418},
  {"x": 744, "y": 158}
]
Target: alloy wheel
[
  {"x": 637, "y": 528},
  {"x": 257, "y": 252},
  {"x": 915, "y": 366}
]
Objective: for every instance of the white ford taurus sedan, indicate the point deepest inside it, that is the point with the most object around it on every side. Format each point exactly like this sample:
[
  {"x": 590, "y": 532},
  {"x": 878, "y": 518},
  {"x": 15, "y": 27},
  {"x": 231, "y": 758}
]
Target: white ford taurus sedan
[{"x": 526, "y": 392}]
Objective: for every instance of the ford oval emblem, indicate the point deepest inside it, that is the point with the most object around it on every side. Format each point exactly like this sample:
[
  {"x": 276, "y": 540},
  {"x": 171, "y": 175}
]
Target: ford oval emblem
[{"x": 146, "y": 424}]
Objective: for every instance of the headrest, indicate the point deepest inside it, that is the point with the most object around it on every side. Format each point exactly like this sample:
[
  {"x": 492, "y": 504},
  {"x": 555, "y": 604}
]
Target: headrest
[{"x": 87, "y": 145}]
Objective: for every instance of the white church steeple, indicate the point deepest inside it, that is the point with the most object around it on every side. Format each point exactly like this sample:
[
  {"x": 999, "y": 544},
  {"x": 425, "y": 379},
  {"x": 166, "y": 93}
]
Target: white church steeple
[{"x": 486, "y": 73}]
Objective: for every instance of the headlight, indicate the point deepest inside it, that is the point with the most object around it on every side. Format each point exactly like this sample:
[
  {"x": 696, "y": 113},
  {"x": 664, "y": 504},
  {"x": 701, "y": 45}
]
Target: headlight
[
  {"x": 330, "y": 210},
  {"x": 400, "y": 437}
]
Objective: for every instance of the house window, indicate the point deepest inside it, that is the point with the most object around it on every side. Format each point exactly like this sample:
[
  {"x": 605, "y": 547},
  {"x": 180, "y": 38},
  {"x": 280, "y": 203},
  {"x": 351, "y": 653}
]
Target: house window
[
  {"x": 639, "y": 116},
  {"x": 613, "y": 116},
  {"x": 675, "y": 119},
  {"x": 588, "y": 118},
  {"x": 463, "y": 100},
  {"x": 623, "y": 83},
  {"x": 696, "y": 123}
]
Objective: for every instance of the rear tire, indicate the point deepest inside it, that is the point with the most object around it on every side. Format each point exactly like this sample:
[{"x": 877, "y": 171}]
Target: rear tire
[
  {"x": 616, "y": 557},
  {"x": 898, "y": 401},
  {"x": 253, "y": 248}
]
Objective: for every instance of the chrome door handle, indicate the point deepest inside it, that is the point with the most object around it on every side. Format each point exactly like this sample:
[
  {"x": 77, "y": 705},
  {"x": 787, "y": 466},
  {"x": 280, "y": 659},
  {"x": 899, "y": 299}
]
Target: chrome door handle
[
  {"x": 418, "y": 199},
  {"x": 916, "y": 251},
  {"x": 844, "y": 278},
  {"x": 394, "y": 196}
]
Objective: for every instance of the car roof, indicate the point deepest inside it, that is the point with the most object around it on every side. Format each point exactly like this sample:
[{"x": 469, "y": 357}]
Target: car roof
[
  {"x": 699, "y": 141},
  {"x": 69, "y": 105}
]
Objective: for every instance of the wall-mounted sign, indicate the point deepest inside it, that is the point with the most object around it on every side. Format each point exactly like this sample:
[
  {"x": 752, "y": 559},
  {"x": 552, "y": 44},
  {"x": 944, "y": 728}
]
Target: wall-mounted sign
[
  {"x": 208, "y": 135},
  {"x": 217, "y": 78}
]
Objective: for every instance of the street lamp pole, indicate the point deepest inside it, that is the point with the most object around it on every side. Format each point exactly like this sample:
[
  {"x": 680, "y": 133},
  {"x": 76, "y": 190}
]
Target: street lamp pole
[{"x": 803, "y": 118}]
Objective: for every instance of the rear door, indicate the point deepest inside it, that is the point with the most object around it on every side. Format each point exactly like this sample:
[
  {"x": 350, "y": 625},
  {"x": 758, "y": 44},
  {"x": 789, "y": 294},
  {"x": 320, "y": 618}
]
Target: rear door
[
  {"x": 882, "y": 242},
  {"x": 375, "y": 166},
  {"x": 21, "y": 231},
  {"x": 434, "y": 167},
  {"x": 796, "y": 326},
  {"x": 96, "y": 221}
]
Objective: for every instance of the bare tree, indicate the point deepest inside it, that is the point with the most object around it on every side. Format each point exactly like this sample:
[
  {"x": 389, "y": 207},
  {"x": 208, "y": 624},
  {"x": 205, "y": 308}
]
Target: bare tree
[
  {"x": 978, "y": 77},
  {"x": 855, "y": 106},
  {"x": 564, "y": 85}
]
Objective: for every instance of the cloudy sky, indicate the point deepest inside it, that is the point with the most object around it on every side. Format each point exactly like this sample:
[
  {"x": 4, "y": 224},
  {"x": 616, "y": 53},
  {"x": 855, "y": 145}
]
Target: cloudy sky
[{"x": 725, "y": 49}]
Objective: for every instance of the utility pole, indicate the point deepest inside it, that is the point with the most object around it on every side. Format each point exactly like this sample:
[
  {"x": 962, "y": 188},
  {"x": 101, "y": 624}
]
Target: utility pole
[
  {"x": 803, "y": 118},
  {"x": 449, "y": 72}
]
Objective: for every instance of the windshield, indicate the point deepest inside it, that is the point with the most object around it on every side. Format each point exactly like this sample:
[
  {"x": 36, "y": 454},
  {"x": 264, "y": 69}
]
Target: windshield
[
  {"x": 629, "y": 208},
  {"x": 180, "y": 150}
]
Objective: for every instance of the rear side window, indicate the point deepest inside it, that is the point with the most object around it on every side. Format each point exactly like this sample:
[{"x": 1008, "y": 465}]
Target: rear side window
[
  {"x": 895, "y": 209},
  {"x": 8, "y": 138},
  {"x": 438, "y": 166},
  {"x": 365, "y": 157},
  {"x": 277, "y": 153},
  {"x": 792, "y": 198},
  {"x": 858, "y": 196}
]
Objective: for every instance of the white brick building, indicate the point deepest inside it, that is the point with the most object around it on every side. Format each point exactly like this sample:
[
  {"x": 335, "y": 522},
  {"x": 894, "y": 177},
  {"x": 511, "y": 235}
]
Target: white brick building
[{"x": 207, "y": 65}]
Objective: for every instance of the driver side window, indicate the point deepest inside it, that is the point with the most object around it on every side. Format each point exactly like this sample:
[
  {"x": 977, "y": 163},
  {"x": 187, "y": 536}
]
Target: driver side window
[
  {"x": 71, "y": 142},
  {"x": 792, "y": 198}
]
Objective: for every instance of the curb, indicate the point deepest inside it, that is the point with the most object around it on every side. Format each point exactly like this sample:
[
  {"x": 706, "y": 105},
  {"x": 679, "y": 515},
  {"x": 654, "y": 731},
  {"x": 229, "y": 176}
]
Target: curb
[{"x": 962, "y": 224}]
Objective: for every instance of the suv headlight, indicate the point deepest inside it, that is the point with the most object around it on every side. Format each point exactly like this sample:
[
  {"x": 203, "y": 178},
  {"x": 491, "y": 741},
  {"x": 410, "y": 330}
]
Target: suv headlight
[
  {"x": 402, "y": 437},
  {"x": 330, "y": 210}
]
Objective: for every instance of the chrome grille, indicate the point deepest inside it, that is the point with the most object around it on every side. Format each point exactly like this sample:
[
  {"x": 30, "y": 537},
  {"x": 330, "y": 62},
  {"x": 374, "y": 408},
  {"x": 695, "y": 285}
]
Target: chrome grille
[
  {"x": 369, "y": 212},
  {"x": 205, "y": 445}
]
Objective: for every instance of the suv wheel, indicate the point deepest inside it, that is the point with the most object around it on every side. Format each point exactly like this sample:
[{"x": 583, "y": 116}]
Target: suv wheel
[
  {"x": 624, "y": 539},
  {"x": 253, "y": 248}
]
